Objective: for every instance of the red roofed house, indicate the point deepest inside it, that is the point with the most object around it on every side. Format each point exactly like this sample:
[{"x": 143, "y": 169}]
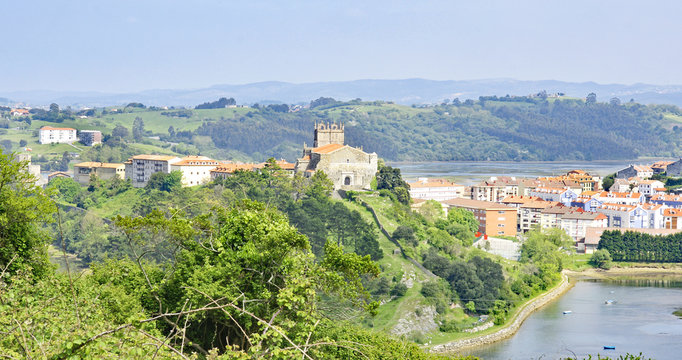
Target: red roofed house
[
  {"x": 196, "y": 170},
  {"x": 51, "y": 135},
  {"x": 672, "y": 218}
]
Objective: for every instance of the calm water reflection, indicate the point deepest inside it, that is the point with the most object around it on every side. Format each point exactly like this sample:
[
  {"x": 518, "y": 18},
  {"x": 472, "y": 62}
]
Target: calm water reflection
[{"x": 640, "y": 320}]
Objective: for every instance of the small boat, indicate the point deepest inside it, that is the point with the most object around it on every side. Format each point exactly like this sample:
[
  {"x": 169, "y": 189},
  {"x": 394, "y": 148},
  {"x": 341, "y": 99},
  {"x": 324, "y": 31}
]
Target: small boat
[
  {"x": 609, "y": 347},
  {"x": 609, "y": 302},
  {"x": 566, "y": 312}
]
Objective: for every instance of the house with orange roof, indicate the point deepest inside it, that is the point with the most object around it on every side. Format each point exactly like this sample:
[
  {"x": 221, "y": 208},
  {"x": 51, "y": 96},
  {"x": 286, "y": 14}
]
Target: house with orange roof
[
  {"x": 496, "y": 188},
  {"x": 19, "y": 112},
  {"x": 493, "y": 218},
  {"x": 628, "y": 198},
  {"x": 639, "y": 216},
  {"x": 672, "y": 219},
  {"x": 196, "y": 170},
  {"x": 348, "y": 168},
  {"x": 140, "y": 168},
  {"x": 660, "y": 167},
  {"x": 435, "y": 189},
  {"x": 54, "y": 135},
  {"x": 104, "y": 171},
  {"x": 575, "y": 224},
  {"x": 670, "y": 200}
]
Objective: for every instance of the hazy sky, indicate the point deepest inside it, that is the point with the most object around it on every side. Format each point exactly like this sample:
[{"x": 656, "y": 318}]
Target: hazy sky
[{"x": 122, "y": 45}]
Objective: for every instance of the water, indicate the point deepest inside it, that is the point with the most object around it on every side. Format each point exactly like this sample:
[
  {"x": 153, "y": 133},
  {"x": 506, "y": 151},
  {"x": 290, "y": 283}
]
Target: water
[
  {"x": 640, "y": 320},
  {"x": 471, "y": 172}
]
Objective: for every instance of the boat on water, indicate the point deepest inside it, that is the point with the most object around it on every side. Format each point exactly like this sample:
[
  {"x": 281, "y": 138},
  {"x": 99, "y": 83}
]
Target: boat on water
[
  {"x": 609, "y": 347},
  {"x": 566, "y": 312},
  {"x": 609, "y": 302}
]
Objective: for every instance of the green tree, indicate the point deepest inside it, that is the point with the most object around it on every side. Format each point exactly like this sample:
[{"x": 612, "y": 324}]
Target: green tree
[
  {"x": 601, "y": 259},
  {"x": 138, "y": 129},
  {"x": 120, "y": 131},
  {"x": 591, "y": 98},
  {"x": 24, "y": 208},
  {"x": 167, "y": 182}
]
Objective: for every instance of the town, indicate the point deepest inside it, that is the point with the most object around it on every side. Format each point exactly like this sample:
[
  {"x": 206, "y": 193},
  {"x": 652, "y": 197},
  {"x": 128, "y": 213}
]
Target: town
[{"x": 581, "y": 204}]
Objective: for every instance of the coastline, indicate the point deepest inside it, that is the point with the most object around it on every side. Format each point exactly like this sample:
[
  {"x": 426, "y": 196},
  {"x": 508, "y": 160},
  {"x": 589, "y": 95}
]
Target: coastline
[
  {"x": 512, "y": 326},
  {"x": 643, "y": 271}
]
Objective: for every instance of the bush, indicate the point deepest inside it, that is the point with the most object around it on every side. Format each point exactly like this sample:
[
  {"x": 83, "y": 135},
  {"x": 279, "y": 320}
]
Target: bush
[
  {"x": 399, "y": 290},
  {"x": 601, "y": 259}
]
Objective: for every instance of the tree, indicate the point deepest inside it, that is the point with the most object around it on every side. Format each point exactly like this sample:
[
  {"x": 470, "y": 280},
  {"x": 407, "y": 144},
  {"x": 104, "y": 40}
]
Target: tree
[
  {"x": 431, "y": 210},
  {"x": 120, "y": 131},
  {"x": 138, "y": 129},
  {"x": 163, "y": 181},
  {"x": 463, "y": 217},
  {"x": 22, "y": 143},
  {"x": 24, "y": 207},
  {"x": 601, "y": 259},
  {"x": 591, "y": 98},
  {"x": 614, "y": 101},
  {"x": 171, "y": 131},
  {"x": 608, "y": 181}
]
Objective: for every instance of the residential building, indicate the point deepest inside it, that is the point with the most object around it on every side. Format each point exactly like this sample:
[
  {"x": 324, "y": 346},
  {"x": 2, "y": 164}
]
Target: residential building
[
  {"x": 640, "y": 171},
  {"x": 575, "y": 224},
  {"x": 19, "y": 112},
  {"x": 576, "y": 180},
  {"x": 196, "y": 170},
  {"x": 586, "y": 203},
  {"x": 650, "y": 187},
  {"x": 225, "y": 170},
  {"x": 672, "y": 219},
  {"x": 670, "y": 200},
  {"x": 435, "y": 189},
  {"x": 550, "y": 217},
  {"x": 640, "y": 216},
  {"x": 674, "y": 169},
  {"x": 627, "y": 198},
  {"x": 31, "y": 168},
  {"x": 104, "y": 171},
  {"x": 495, "y": 189},
  {"x": 564, "y": 196},
  {"x": 140, "y": 168},
  {"x": 51, "y": 135},
  {"x": 493, "y": 218},
  {"x": 530, "y": 214},
  {"x": 90, "y": 137},
  {"x": 348, "y": 168},
  {"x": 621, "y": 185},
  {"x": 660, "y": 167}
]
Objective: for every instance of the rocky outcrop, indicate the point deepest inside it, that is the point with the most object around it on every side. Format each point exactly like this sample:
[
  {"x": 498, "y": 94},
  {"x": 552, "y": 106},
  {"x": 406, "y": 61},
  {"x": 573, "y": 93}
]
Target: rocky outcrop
[{"x": 422, "y": 320}]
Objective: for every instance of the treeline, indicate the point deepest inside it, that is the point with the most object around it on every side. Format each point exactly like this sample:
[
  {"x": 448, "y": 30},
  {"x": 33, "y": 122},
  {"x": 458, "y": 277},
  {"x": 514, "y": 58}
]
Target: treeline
[
  {"x": 488, "y": 129},
  {"x": 636, "y": 246}
]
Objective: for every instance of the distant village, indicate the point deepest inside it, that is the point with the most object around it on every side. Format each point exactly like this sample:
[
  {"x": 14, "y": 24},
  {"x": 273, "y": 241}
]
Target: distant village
[{"x": 575, "y": 202}]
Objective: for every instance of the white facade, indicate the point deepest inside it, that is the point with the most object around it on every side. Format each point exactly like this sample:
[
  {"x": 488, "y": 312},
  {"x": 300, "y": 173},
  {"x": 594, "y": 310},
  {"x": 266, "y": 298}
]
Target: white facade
[
  {"x": 435, "y": 189},
  {"x": 648, "y": 187},
  {"x": 140, "y": 168},
  {"x": 52, "y": 135},
  {"x": 196, "y": 170},
  {"x": 620, "y": 198}
]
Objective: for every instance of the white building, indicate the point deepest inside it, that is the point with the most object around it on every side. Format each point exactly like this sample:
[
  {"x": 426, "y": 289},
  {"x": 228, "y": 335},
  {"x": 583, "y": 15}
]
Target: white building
[
  {"x": 51, "y": 135},
  {"x": 140, "y": 168},
  {"x": 196, "y": 170},
  {"x": 625, "y": 198},
  {"x": 436, "y": 189},
  {"x": 651, "y": 187},
  {"x": 575, "y": 224}
]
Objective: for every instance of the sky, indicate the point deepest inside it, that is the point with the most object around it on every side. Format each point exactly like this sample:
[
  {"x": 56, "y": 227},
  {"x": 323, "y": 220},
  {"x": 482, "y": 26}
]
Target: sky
[{"x": 125, "y": 46}]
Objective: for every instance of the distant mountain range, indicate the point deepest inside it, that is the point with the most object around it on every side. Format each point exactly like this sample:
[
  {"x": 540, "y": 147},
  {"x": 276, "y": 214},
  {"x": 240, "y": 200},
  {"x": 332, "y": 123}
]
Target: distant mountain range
[{"x": 407, "y": 91}]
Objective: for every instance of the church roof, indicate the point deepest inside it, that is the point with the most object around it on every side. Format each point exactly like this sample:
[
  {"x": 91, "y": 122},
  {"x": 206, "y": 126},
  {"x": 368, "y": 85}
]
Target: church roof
[{"x": 326, "y": 149}]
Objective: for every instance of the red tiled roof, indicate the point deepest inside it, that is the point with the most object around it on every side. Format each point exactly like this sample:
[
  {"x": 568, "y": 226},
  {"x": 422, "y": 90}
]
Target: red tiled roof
[
  {"x": 326, "y": 149},
  {"x": 55, "y": 128}
]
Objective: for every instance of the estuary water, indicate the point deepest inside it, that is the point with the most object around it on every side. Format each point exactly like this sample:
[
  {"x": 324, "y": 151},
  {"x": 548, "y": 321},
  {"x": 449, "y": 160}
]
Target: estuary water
[
  {"x": 640, "y": 319},
  {"x": 470, "y": 172}
]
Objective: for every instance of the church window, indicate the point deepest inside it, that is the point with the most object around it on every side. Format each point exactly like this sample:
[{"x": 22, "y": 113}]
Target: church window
[{"x": 346, "y": 181}]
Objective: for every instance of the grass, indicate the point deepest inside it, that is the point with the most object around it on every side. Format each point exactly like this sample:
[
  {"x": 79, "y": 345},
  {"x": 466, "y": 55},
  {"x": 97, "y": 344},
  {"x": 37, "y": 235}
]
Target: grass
[
  {"x": 678, "y": 313},
  {"x": 57, "y": 257}
]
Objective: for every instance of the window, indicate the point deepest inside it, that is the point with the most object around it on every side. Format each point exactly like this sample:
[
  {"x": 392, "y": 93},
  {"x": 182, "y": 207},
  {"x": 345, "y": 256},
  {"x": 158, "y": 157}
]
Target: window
[
  {"x": 501, "y": 218},
  {"x": 501, "y": 212},
  {"x": 500, "y": 225},
  {"x": 346, "y": 181}
]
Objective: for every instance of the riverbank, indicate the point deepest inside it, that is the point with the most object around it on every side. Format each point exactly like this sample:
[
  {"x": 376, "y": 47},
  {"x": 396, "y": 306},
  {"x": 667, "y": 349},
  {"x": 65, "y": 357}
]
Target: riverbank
[
  {"x": 643, "y": 270},
  {"x": 513, "y": 325}
]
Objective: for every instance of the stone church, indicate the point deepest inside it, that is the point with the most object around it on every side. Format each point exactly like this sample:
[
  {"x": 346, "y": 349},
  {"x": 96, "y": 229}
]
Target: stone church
[{"x": 349, "y": 168}]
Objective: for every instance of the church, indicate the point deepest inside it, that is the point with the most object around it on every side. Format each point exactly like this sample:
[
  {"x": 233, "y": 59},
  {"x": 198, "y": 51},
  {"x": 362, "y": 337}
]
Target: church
[{"x": 349, "y": 168}]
